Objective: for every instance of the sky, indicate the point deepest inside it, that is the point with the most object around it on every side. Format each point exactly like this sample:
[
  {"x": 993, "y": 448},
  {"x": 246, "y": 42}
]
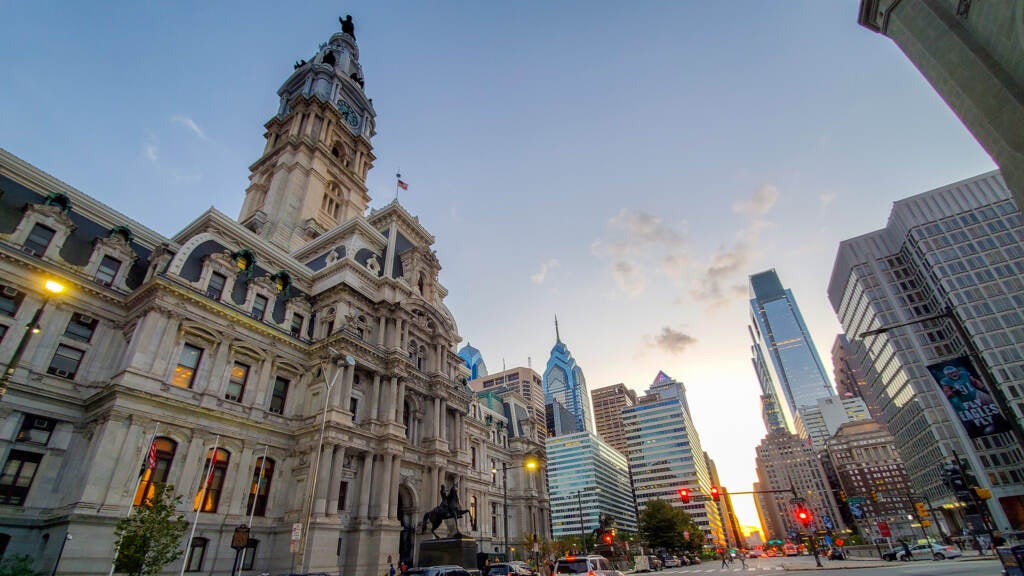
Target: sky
[{"x": 622, "y": 166}]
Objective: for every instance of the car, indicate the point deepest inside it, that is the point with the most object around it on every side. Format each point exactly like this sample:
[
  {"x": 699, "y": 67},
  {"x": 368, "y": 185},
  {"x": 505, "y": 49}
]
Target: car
[
  {"x": 442, "y": 570},
  {"x": 771, "y": 554},
  {"x": 509, "y": 569},
  {"x": 889, "y": 555},
  {"x": 930, "y": 552},
  {"x": 836, "y": 553},
  {"x": 592, "y": 565},
  {"x": 754, "y": 553},
  {"x": 655, "y": 563},
  {"x": 670, "y": 561}
]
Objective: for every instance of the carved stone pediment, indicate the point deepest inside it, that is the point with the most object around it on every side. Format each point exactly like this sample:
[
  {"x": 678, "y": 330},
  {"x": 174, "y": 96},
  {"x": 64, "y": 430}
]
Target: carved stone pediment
[{"x": 53, "y": 213}]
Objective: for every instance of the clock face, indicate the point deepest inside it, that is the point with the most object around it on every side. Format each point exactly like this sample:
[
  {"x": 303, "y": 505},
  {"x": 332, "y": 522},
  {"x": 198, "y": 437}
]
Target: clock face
[{"x": 348, "y": 113}]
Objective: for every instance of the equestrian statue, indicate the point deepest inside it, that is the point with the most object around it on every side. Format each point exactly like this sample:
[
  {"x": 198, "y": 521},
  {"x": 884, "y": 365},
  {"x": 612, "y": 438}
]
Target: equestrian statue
[{"x": 448, "y": 509}]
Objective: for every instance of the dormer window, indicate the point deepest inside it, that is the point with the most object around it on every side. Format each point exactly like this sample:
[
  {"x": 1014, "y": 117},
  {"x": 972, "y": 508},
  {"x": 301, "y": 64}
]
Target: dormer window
[
  {"x": 215, "y": 288},
  {"x": 107, "y": 270},
  {"x": 38, "y": 240},
  {"x": 296, "y": 329},
  {"x": 259, "y": 306}
]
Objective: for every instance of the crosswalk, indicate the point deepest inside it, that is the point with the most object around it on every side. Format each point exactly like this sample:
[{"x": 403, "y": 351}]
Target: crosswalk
[{"x": 710, "y": 570}]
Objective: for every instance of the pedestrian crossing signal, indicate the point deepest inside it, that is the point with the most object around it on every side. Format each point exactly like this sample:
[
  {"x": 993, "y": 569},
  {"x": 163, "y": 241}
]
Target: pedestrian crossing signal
[{"x": 684, "y": 495}]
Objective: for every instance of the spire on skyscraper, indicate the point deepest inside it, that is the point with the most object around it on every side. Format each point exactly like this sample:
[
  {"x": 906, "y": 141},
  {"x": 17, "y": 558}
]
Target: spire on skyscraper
[{"x": 557, "y": 337}]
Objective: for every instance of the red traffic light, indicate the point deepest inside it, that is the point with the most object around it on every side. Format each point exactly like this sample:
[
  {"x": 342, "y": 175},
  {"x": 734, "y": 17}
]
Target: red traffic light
[
  {"x": 607, "y": 538},
  {"x": 803, "y": 516},
  {"x": 684, "y": 495},
  {"x": 714, "y": 492}
]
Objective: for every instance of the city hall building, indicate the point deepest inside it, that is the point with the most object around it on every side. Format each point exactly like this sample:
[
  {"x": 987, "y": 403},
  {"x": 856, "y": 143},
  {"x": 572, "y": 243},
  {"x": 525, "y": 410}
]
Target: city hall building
[{"x": 295, "y": 368}]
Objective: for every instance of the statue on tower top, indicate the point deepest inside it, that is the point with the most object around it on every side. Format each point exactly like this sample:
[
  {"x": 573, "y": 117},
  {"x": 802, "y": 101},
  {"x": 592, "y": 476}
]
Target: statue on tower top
[{"x": 347, "y": 26}]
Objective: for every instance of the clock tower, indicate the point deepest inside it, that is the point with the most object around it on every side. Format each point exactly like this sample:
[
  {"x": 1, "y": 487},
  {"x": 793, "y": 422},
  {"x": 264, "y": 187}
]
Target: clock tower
[{"x": 312, "y": 175}]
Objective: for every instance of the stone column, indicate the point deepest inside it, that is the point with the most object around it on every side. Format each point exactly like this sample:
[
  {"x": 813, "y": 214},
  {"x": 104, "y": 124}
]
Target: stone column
[
  {"x": 168, "y": 340},
  {"x": 334, "y": 482},
  {"x": 384, "y": 488},
  {"x": 400, "y": 402},
  {"x": 437, "y": 417},
  {"x": 396, "y": 478},
  {"x": 323, "y": 479},
  {"x": 218, "y": 371},
  {"x": 382, "y": 331},
  {"x": 243, "y": 482},
  {"x": 262, "y": 384},
  {"x": 346, "y": 387},
  {"x": 400, "y": 338},
  {"x": 374, "y": 398},
  {"x": 444, "y": 419},
  {"x": 365, "y": 484},
  {"x": 391, "y": 410}
]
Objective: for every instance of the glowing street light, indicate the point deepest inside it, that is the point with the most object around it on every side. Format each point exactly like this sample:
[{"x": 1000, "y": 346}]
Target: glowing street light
[{"x": 52, "y": 287}]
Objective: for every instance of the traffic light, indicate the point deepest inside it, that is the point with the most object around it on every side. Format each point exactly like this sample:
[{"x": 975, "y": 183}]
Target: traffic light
[
  {"x": 921, "y": 510},
  {"x": 982, "y": 493},
  {"x": 803, "y": 516},
  {"x": 874, "y": 495},
  {"x": 684, "y": 495},
  {"x": 607, "y": 538},
  {"x": 714, "y": 492}
]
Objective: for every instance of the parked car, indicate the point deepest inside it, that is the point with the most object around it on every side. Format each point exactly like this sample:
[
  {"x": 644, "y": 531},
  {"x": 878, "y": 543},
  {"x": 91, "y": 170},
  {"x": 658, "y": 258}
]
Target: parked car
[
  {"x": 889, "y": 555},
  {"x": 754, "y": 553},
  {"x": 670, "y": 561},
  {"x": 930, "y": 552},
  {"x": 586, "y": 566},
  {"x": 509, "y": 569},
  {"x": 836, "y": 553},
  {"x": 655, "y": 563},
  {"x": 443, "y": 570}
]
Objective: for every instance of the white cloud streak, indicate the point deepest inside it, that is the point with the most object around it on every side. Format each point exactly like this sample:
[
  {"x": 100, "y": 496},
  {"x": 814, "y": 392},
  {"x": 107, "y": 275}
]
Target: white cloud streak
[
  {"x": 190, "y": 124},
  {"x": 541, "y": 275}
]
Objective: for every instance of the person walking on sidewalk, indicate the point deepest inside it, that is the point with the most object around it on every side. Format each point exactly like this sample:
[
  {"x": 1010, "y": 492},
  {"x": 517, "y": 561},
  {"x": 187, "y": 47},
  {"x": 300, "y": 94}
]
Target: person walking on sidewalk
[{"x": 725, "y": 559}]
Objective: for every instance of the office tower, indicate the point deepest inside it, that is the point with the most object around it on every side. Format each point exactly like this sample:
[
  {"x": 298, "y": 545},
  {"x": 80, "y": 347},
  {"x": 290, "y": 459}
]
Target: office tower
[
  {"x": 609, "y": 402},
  {"x": 820, "y": 422},
  {"x": 786, "y": 462},
  {"x": 474, "y": 361},
  {"x": 730, "y": 524},
  {"x": 940, "y": 287},
  {"x": 587, "y": 477},
  {"x": 564, "y": 382},
  {"x": 849, "y": 376},
  {"x": 970, "y": 53},
  {"x": 785, "y": 360},
  {"x": 665, "y": 454},
  {"x": 527, "y": 384}
]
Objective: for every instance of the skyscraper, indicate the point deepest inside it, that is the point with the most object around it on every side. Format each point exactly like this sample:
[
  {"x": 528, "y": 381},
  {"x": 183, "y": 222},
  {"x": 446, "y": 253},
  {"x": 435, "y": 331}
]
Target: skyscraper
[
  {"x": 849, "y": 376},
  {"x": 564, "y": 382},
  {"x": 609, "y": 402},
  {"x": 944, "y": 280},
  {"x": 665, "y": 454},
  {"x": 785, "y": 359}
]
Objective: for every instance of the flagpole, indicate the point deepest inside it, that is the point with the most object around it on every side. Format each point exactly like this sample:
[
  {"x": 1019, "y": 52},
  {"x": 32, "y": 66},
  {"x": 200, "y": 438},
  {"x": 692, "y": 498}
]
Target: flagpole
[
  {"x": 131, "y": 507},
  {"x": 259, "y": 484},
  {"x": 398, "y": 178},
  {"x": 199, "y": 508}
]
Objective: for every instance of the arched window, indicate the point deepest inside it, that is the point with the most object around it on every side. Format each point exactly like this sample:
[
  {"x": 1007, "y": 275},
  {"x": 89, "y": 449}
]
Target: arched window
[
  {"x": 260, "y": 487},
  {"x": 155, "y": 469},
  {"x": 213, "y": 483}
]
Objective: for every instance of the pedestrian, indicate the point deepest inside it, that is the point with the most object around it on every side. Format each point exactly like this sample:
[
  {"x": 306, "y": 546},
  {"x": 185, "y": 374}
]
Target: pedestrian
[
  {"x": 402, "y": 568},
  {"x": 997, "y": 540},
  {"x": 907, "y": 554},
  {"x": 391, "y": 569},
  {"x": 725, "y": 562},
  {"x": 743, "y": 558}
]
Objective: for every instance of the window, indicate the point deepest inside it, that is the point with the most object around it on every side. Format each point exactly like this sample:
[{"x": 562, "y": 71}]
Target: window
[
  {"x": 38, "y": 239},
  {"x": 342, "y": 496},
  {"x": 297, "y": 320},
  {"x": 196, "y": 551},
  {"x": 19, "y": 470},
  {"x": 107, "y": 270},
  {"x": 163, "y": 450},
  {"x": 10, "y": 300},
  {"x": 214, "y": 484},
  {"x": 260, "y": 487},
  {"x": 236, "y": 384},
  {"x": 259, "y": 306},
  {"x": 278, "y": 395},
  {"x": 80, "y": 327},
  {"x": 36, "y": 429},
  {"x": 353, "y": 406},
  {"x": 188, "y": 363},
  {"x": 65, "y": 362},
  {"x": 215, "y": 288}
]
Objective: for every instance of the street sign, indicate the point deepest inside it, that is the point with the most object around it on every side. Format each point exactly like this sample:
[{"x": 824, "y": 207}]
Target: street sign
[
  {"x": 296, "y": 531},
  {"x": 827, "y": 521},
  {"x": 857, "y": 500},
  {"x": 796, "y": 500}
]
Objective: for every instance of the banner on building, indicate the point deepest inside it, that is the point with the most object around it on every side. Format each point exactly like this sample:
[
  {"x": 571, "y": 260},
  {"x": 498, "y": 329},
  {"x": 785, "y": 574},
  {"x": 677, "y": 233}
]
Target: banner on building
[{"x": 969, "y": 396}]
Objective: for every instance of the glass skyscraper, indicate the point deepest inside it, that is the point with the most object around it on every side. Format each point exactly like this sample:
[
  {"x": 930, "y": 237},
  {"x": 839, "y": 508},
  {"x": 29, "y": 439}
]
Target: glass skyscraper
[
  {"x": 564, "y": 382},
  {"x": 785, "y": 359}
]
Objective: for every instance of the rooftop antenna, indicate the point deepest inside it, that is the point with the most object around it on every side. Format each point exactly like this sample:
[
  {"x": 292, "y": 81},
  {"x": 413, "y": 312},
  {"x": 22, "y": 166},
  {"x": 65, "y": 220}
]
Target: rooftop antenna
[{"x": 557, "y": 337}]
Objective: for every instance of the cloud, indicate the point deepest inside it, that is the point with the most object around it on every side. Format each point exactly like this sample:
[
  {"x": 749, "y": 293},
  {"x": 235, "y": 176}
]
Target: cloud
[
  {"x": 190, "y": 124},
  {"x": 673, "y": 341},
  {"x": 628, "y": 278},
  {"x": 761, "y": 201},
  {"x": 541, "y": 275},
  {"x": 151, "y": 151},
  {"x": 639, "y": 241}
]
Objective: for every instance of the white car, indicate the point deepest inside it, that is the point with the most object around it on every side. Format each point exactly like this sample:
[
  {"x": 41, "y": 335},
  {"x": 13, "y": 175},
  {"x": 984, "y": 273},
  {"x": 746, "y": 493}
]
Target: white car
[{"x": 930, "y": 552}]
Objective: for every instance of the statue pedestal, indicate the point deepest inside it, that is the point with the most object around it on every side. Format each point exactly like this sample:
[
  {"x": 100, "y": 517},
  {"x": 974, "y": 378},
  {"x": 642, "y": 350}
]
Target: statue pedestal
[{"x": 457, "y": 551}]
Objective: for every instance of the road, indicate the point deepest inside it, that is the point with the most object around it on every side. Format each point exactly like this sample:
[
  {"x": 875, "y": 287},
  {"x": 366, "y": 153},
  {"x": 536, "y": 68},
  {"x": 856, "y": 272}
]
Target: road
[{"x": 768, "y": 566}]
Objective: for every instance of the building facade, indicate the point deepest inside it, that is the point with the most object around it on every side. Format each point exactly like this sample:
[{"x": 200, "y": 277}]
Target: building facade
[
  {"x": 564, "y": 382},
  {"x": 528, "y": 385},
  {"x": 301, "y": 358},
  {"x": 849, "y": 376},
  {"x": 665, "y": 455},
  {"x": 824, "y": 419},
  {"x": 609, "y": 402},
  {"x": 970, "y": 53},
  {"x": 587, "y": 477},
  {"x": 785, "y": 359},
  {"x": 943, "y": 283}
]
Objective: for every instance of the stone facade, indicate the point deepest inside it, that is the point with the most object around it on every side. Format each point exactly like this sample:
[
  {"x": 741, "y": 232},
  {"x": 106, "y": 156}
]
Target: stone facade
[{"x": 307, "y": 343}]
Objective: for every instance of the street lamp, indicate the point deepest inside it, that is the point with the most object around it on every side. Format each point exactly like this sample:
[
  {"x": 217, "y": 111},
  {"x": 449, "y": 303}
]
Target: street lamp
[
  {"x": 52, "y": 287},
  {"x": 349, "y": 361},
  {"x": 530, "y": 464}
]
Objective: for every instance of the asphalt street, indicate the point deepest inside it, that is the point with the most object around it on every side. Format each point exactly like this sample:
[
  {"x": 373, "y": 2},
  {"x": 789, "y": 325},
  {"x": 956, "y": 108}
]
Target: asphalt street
[{"x": 972, "y": 566}]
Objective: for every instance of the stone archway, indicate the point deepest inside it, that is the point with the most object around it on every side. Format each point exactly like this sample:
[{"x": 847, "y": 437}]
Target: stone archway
[{"x": 407, "y": 516}]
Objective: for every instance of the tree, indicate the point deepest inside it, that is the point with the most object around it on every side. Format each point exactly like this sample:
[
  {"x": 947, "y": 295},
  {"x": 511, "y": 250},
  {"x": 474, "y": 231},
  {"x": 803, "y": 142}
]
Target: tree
[
  {"x": 150, "y": 538},
  {"x": 19, "y": 565},
  {"x": 663, "y": 526}
]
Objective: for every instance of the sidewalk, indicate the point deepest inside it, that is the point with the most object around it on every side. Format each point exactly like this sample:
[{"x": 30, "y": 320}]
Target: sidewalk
[{"x": 872, "y": 563}]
